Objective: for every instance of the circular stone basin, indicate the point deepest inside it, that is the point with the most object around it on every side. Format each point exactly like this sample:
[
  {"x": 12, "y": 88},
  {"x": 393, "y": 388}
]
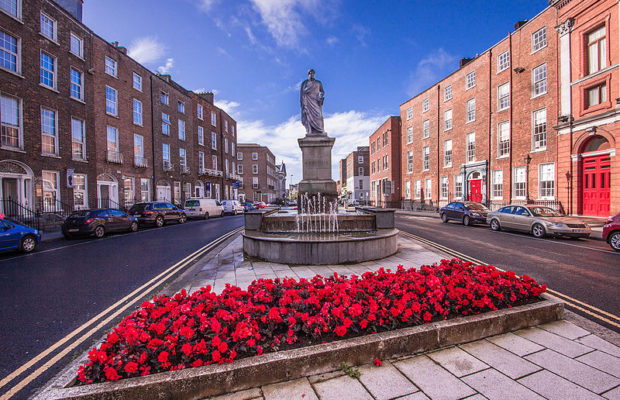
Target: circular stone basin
[{"x": 320, "y": 248}]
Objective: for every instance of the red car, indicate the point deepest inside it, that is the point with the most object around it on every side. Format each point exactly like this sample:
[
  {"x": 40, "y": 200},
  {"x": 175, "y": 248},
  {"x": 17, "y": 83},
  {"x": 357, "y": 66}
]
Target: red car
[{"x": 611, "y": 232}]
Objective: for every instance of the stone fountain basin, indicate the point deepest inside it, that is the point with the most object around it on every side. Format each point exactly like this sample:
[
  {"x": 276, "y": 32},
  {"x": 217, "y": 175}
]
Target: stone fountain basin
[{"x": 286, "y": 221}]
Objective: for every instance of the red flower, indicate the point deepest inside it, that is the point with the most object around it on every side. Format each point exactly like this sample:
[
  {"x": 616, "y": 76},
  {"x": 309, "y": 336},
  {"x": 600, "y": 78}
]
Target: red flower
[
  {"x": 187, "y": 349},
  {"x": 223, "y": 347},
  {"x": 377, "y": 362},
  {"x": 340, "y": 331},
  {"x": 216, "y": 356},
  {"x": 131, "y": 367},
  {"x": 163, "y": 357},
  {"x": 111, "y": 374}
]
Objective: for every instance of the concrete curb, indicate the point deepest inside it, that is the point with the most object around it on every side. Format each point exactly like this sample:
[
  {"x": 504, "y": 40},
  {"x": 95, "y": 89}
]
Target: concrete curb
[{"x": 198, "y": 383}]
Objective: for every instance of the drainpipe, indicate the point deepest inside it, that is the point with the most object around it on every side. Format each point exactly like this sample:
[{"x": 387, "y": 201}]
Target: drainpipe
[
  {"x": 221, "y": 132},
  {"x": 511, "y": 121},
  {"x": 152, "y": 139},
  {"x": 489, "y": 170},
  {"x": 438, "y": 147}
]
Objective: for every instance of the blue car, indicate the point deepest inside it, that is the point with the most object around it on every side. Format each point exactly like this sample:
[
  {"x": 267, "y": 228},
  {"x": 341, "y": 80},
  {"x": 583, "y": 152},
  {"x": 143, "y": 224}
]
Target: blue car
[{"x": 18, "y": 237}]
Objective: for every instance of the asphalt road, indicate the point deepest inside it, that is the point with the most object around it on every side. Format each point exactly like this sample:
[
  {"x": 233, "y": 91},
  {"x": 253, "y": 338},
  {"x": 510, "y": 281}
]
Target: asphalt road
[
  {"x": 49, "y": 293},
  {"x": 586, "y": 269}
]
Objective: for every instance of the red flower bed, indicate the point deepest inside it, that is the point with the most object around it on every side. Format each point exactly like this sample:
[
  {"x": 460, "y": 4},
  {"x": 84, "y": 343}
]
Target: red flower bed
[{"x": 184, "y": 331}]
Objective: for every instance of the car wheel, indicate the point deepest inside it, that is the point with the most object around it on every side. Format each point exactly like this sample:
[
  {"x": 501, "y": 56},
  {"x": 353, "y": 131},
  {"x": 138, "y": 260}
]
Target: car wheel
[
  {"x": 614, "y": 241},
  {"x": 67, "y": 236},
  {"x": 466, "y": 220},
  {"x": 28, "y": 244},
  {"x": 444, "y": 218},
  {"x": 221, "y": 214},
  {"x": 99, "y": 232},
  {"x": 159, "y": 221},
  {"x": 206, "y": 216},
  {"x": 495, "y": 225},
  {"x": 183, "y": 219},
  {"x": 538, "y": 231},
  {"x": 134, "y": 227}
]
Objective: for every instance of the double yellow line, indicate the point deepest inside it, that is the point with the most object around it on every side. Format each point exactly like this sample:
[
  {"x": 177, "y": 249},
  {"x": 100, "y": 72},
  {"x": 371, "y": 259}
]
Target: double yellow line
[
  {"x": 595, "y": 312},
  {"x": 99, "y": 322}
]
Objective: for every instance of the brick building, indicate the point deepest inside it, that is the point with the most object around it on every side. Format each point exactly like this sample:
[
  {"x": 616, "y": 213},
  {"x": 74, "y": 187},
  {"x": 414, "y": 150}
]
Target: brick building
[
  {"x": 256, "y": 164},
  {"x": 385, "y": 165},
  {"x": 355, "y": 175},
  {"x": 281, "y": 181}
]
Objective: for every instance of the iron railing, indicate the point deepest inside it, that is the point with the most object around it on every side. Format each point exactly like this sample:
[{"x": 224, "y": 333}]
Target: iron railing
[
  {"x": 114, "y": 157},
  {"x": 140, "y": 162}
]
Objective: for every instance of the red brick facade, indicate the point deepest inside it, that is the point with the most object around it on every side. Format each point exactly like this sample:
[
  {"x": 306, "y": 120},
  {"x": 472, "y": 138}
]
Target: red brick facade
[
  {"x": 355, "y": 172},
  {"x": 257, "y": 168},
  {"x": 385, "y": 165}
]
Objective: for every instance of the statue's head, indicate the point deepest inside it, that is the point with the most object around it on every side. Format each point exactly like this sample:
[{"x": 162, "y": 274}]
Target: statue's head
[{"x": 311, "y": 73}]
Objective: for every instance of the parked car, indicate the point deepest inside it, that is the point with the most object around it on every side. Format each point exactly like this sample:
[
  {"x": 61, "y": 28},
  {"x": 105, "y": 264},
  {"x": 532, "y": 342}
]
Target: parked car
[
  {"x": 14, "y": 236},
  {"x": 538, "y": 220},
  {"x": 232, "y": 207},
  {"x": 98, "y": 223},
  {"x": 158, "y": 213},
  {"x": 611, "y": 232},
  {"x": 260, "y": 204},
  {"x": 203, "y": 208},
  {"x": 467, "y": 212},
  {"x": 247, "y": 206}
]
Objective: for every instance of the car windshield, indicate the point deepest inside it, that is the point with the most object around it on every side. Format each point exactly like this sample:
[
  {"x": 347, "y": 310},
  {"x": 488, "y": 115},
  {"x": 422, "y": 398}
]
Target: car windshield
[
  {"x": 138, "y": 207},
  {"x": 544, "y": 212},
  {"x": 79, "y": 213},
  {"x": 192, "y": 203},
  {"x": 477, "y": 207}
]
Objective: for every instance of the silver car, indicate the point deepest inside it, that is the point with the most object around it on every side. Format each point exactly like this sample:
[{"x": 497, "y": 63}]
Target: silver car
[{"x": 538, "y": 220}]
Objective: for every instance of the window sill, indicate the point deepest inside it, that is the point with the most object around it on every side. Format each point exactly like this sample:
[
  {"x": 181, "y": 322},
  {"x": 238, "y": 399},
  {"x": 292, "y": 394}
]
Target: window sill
[
  {"x": 469, "y": 122},
  {"x": 50, "y": 155},
  {"x": 78, "y": 100},
  {"x": 17, "y": 74},
  {"x": 112, "y": 115},
  {"x": 539, "y": 150},
  {"x": 50, "y": 39},
  {"x": 501, "y": 157},
  {"x": 518, "y": 198},
  {"x": 49, "y": 88},
  {"x": 503, "y": 109},
  {"x": 14, "y": 149},
  {"x": 536, "y": 51},
  {"x": 18, "y": 19},
  {"x": 79, "y": 57},
  {"x": 446, "y": 130},
  {"x": 81, "y": 160},
  {"x": 108, "y": 74},
  {"x": 140, "y": 125},
  {"x": 534, "y": 96}
]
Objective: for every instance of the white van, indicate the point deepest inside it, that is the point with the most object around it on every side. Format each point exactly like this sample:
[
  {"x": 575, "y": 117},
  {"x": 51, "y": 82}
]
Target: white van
[
  {"x": 203, "y": 208},
  {"x": 232, "y": 207}
]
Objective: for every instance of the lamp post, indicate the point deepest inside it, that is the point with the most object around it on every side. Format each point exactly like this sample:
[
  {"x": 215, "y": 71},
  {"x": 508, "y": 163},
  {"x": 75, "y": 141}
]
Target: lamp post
[{"x": 527, "y": 160}]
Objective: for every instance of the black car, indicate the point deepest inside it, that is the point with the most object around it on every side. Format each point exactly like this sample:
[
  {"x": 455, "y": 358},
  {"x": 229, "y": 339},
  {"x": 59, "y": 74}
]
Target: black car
[
  {"x": 467, "y": 212},
  {"x": 157, "y": 213},
  {"x": 98, "y": 223}
]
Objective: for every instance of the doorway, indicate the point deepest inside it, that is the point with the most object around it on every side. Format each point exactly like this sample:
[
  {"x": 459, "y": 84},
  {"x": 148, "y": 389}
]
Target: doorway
[
  {"x": 596, "y": 182},
  {"x": 475, "y": 187}
]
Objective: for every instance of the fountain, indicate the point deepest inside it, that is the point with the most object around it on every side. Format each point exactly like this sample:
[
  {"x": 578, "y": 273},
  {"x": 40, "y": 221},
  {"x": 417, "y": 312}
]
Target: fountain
[{"x": 318, "y": 232}]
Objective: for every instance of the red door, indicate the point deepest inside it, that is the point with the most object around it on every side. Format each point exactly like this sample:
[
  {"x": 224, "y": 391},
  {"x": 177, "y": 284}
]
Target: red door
[
  {"x": 475, "y": 190},
  {"x": 596, "y": 179}
]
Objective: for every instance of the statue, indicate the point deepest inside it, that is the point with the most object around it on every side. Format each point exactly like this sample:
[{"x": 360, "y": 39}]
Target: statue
[{"x": 311, "y": 99}]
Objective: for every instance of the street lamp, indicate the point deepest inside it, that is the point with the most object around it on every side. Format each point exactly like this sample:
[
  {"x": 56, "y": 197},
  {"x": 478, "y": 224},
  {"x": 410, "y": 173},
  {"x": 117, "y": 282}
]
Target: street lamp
[{"x": 527, "y": 160}]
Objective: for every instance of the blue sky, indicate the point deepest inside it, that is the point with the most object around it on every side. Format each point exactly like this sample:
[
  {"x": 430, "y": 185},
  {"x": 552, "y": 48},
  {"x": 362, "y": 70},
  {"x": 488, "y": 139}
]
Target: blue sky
[{"x": 370, "y": 55}]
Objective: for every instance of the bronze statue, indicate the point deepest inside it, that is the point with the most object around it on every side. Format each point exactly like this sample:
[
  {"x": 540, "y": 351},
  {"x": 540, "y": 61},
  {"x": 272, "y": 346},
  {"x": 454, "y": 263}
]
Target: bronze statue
[{"x": 311, "y": 99}]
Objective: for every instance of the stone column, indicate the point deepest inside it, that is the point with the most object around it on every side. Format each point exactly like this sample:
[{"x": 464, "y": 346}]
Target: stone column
[{"x": 316, "y": 154}]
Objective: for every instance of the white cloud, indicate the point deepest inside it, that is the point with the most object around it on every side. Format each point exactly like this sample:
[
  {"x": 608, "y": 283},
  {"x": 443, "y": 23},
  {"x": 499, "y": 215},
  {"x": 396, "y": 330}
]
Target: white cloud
[
  {"x": 165, "y": 69},
  {"x": 206, "y": 5},
  {"x": 146, "y": 50},
  {"x": 361, "y": 33},
  {"x": 282, "y": 20},
  {"x": 332, "y": 40},
  {"x": 429, "y": 70},
  {"x": 229, "y": 106}
]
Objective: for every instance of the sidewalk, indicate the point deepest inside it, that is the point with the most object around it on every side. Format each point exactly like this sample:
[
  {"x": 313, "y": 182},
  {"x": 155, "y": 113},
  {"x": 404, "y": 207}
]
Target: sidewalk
[{"x": 560, "y": 360}]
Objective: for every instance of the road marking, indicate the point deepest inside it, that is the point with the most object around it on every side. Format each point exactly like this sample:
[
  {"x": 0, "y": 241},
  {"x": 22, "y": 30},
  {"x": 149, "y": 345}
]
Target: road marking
[
  {"x": 136, "y": 295},
  {"x": 572, "y": 302}
]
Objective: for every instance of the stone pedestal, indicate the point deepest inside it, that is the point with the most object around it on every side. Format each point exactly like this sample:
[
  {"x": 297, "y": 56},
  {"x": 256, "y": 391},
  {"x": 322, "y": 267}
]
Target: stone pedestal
[{"x": 316, "y": 153}]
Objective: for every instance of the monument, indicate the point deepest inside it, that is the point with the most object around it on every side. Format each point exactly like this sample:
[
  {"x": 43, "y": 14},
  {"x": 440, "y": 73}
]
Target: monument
[{"x": 316, "y": 146}]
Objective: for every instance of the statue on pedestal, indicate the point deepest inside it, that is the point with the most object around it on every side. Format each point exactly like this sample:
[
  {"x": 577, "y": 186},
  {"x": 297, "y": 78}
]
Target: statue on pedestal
[{"x": 311, "y": 99}]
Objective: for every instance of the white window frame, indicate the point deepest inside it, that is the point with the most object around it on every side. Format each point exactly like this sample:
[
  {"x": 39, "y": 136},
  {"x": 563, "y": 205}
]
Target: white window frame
[
  {"x": 255, "y": 169},
  {"x": 18, "y": 11},
  {"x": 447, "y": 122},
  {"x": 425, "y": 105},
  {"x": 407, "y": 190},
  {"x": 409, "y": 113},
  {"x": 417, "y": 189},
  {"x": 80, "y": 51},
  {"x": 213, "y": 118},
  {"x": 444, "y": 188},
  {"x": 497, "y": 184},
  {"x": 548, "y": 192},
  {"x": 470, "y": 141},
  {"x": 226, "y": 145},
  {"x": 458, "y": 187},
  {"x": 53, "y": 135},
  {"x": 503, "y": 61},
  {"x": 83, "y": 192},
  {"x": 201, "y": 161},
  {"x": 111, "y": 67},
  {"x": 165, "y": 124},
  {"x": 255, "y": 182},
  {"x": 137, "y": 113},
  {"x": 470, "y": 80},
  {"x": 56, "y": 187},
  {"x": 470, "y": 110},
  {"x": 182, "y": 157},
  {"x": 137, "y": 82},
  {"x": 199, "y": 112},
  {"x": 519, "y": 183},
  {"x": 114, "y": 130},
  {"x": 181, "y": 126},
  {"x": 165, "y": 153},
  {"x": 255, "y": 156},
  {"x": 596, "y": 42},
  {"x": 539, "y": 82},
  {"x": 80, "y": 86},
  {"x": 426, "y": 158},
  {"x": 145, "y": 183},
  {"x": 537, "y": 143},
  {"x": 447, "y": 153},
  {"x": 447, "y": 93},
  {"x": 409, "y": 162},
  {"x": 17, "y": 54},
  {"x": 239, "y": 156},
  {"x": 213, "y": 141},
  {"x": 54, "y": 37},
  {"x": 81, "y": 143},
  {"x": 240, "y": 169},
  {"x": 138, "y": 145},
  {"x": 181, "y": 106},
  {"x": 539, "y": 39},
  {"x": 426, "y": 129},
  {"x": 428, "y": 189},
  {"x": 503, "y": 146},
  {"x": 5, "y": 125},
  {"x": 409, "y": 135},
  {"x": 164, "y": 97},
  {"x": 503, "y": 96},
  {"x": 111, "y": 103},
  {"x": 214, "y": 162},
  {"x": 53, "y": 73},
  {"x": 201, "y": 136}
]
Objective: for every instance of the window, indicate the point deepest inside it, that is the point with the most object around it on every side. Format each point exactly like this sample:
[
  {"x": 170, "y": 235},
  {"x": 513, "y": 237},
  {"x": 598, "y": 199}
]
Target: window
[
  {"x": 458, "y": 187},
  {"x": 518, "y": 178},
  {"x": 425, "y": 105},
  {"x": 447, "y": 120},
  {"x": 77, "y": 84},
  {"x": 360, "y": 159},
  {"x": 255, "y": 183},
  {"x": 213, "y": 140},
  {"x": 539, "y": 80},
  {"x": 385, "y": 162},
  {"x": 417, "y": 189},
  {"x": 254, "y": 156},
  {"x": 199, "y": 111},
  {"x": 13, "y": 7},
  {"x": 181, "y": 125},
  {"x": 425, "y": 158},
  {"x": 503, "y": 61},
  {"x": 49, "y": 132},
  {"x": 145, "y": 189},
  {"x": 447, "y": 93},
  {"x": 129, "y": 190},
  {"x": 470, "y": 80},
  {"x": 137, "y": 82},
  {"x": 181, "y": 107},
  {"x": 213, "y": 118},
  {"x": 471, "y": 147},
  {"x": 240, "y": 156},
  {"x": 409, "y": 137},
  {"x": 182, "y": 158},
  {"x": 255, "y": 168},
  {"x": 360, "y": 171},
  {"x": 539, "y": 129},
  {"x": 503, "y": 139},
  {"x": 409, "y": 113},
  {"x": 503, "y": 96},
  {"x": 443, "y": 194},
  {"x": 48, "y": 70},
  {"x": 78, "y": 139},
  {"x": 373, "y": 169},
  {"x": 447, "y": 153},
  {"x": 471, "y": 110},
  {"x": 225, "y": 125},
  {"x": 597, "y": 50},
  {"x": 137, "y": 112},
  {"x": 240, "y": 169},
  {"x": 10, "y": 49},
  {"x": 111, "y": 101},
  {"x": 226, "y": 145},
  {"x": 385, "y": 139},
  {"x": 177, "y": 192},
  {"x": 112, "y": 140},
  {"x": 497, "y": 184},
  {"x": 165, "y": 124},
  {"x": 426, "y": 128},
  {"x": 546, "y": 181},
  {"x": 214, "y": 162},
  {"x": 407, "y": 190},
  {"x": 111, "y": 67},
  {"x": 232, "y": 149},
  {"x": 80, "y": 194},
  {"x": 201, "y": 136},
  {"x": 166, "y": 153},
  {"x": 539, "y": 39},
  {"x": 48, "y": 27},
  {"x": 165, "y": 98},
  {"x": 428, "y": 184},
  {"x": 77, "y": 45},
  {"x": 51, "y": 189},
  {"x": 232, "y": 130},
  {"x": 138, "y": 147},
  {"x": 410, "y": 161},
  {"x": 201, "y": 161},
  {"x": 360, "y": 184},
  {"x": 596, "y": 95},
  {"x": 11, "y": 122}
]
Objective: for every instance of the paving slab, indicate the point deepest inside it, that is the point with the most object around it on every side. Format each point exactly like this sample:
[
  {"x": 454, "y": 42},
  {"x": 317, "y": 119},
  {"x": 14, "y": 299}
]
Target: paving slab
[
  {"x": 600, "y": 344},
  {"x": 565, "y": 329},
  {"x": 432, "y": 379},
  {"x": 554, "y": 387},
  {"x": 554, "y": 342},
  {"x": 492, "y": 384},
  {"x": 342, "y": 388},
  {"x": 458, "y": 361},
  {"x": 385, "y": 382},
  {"x": 500, "y": 359},
  {"x": 297, "y": 389},
  {"x": 602, "y": 361},
  {"x": 476, "y": 397},
  {"x": 249, "y": 394},
  {"x": 415, "y": 396},
  {"x": 324, "y": 377},
  {"x": 613, "y": 394},
  {"x": 575, "y": 371},
  {"x": 515, "y": 344}
]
